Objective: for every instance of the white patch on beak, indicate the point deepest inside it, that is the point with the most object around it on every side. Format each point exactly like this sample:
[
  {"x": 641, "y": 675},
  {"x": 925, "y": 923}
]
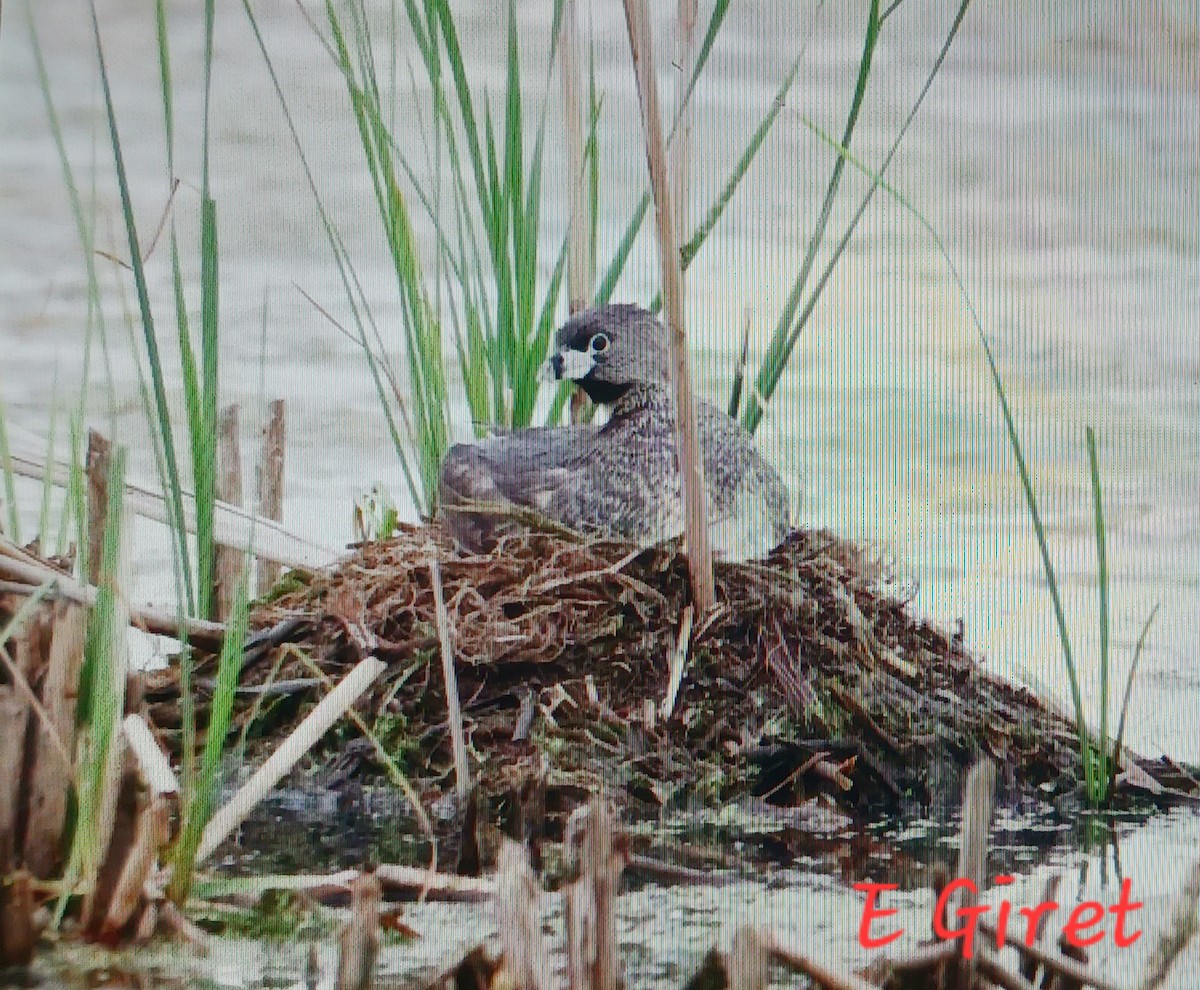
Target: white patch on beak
[{"x": 569, "y": 364}]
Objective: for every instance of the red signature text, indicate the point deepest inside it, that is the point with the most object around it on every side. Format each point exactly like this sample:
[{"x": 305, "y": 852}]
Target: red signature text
[{"x": 1084, "y": 925}]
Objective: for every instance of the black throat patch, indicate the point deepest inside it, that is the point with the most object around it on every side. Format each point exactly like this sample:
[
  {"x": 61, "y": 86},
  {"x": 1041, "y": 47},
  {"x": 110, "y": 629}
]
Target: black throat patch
[{"x": 600, "y": 392}]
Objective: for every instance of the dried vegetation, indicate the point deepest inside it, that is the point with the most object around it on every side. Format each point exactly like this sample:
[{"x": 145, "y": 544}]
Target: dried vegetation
[{"x": 812, "y": 678}]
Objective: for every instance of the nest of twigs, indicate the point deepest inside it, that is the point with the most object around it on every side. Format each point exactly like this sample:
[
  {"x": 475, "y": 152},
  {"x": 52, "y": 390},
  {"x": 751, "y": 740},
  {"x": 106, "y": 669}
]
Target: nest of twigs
[{"x": 812, "y": 678}]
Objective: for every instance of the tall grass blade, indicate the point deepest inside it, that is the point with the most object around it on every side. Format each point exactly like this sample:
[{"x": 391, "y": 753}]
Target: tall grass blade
[
  {"x": 200, "y": 800},
  {"x": 773, "y": 368},
  {"x": 1133, "y": 669},
  {"x": 1014, "y": 439},
  {"x": 101, "y": 695},
  {"x": 1103, "y": 593},
  {"x": 163, "y": 417},
  {"x": 350, "y": 283},
  {"x": 779, "y": 350}
]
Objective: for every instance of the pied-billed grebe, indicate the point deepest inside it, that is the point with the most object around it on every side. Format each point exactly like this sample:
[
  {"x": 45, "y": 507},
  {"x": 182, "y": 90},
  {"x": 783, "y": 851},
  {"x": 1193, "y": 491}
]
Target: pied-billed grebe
[{"x": 621, "y": 479}]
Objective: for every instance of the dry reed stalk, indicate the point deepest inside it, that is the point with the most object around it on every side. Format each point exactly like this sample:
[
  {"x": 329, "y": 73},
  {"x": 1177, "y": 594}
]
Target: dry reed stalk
[
  {"x": 96, "y": 468},
  {"x": 592, "y": 959},
  {"x": 978, "y": 797},
  {"x": 270, "y": 486},
  {"x": 579, "y": 261},
  {"x": 458, "y": 741},
  {"x": 176, "y": 922},
  {"x": 55, "y": 742},
  {"x": 681, "y": 143},
  {"x": 358, "y": 944},
  {"x": 319, "y": 721},
  {"x": 232, "y": 525},
  {"x": 580, "y": 277},
  {"x": 519, "y": 920},
  {"x": 691, "y": 466},
  {"x": 227, "y": 565},
  {"x": 1029, "y": 967},
  {"x": 22, "y": 567}
]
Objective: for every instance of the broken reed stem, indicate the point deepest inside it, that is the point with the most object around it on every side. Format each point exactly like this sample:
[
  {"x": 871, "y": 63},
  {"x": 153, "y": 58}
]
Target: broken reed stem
[
  {"x": 358, "y": 945},
  {"x": 151, "y": 760},
  {"x": 316, "y": 723},
  {"x": 678, "y": 663},
  {"x": 519, "y": 919},
  {"x": 227, "y": 570},
  {"x": 978, "y": 797},
  {"x": 150, "y": 836},
  {"x": 458, "y": 742},
  {"x": 96, "y": 467},
  {"x": 691, "y": 467},
  {"x": 53, "y": 762},
  {"x": 990, "y": 966},
  {"x": 592, "y": 959},
  {"x": 270, "y": 487}
]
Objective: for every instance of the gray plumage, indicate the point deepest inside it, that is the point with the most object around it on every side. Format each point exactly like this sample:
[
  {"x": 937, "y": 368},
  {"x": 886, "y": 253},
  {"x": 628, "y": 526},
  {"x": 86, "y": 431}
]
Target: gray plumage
[{"x": 620, "y": 479}]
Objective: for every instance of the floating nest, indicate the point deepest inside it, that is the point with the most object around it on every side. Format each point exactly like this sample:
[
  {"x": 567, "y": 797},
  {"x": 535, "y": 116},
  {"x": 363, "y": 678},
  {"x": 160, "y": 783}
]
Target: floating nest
[{"x": 812, "y": 684}]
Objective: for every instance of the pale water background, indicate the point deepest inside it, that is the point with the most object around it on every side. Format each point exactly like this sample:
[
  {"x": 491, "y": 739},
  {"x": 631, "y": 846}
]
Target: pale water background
[{"x": 1058, "y": 154}]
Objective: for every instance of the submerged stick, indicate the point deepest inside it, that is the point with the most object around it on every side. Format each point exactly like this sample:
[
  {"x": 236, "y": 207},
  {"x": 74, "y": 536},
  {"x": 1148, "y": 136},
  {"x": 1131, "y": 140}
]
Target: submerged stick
[
  {"x": 316, "y": 723},
  {"x": 691, "y": 466},
  {"x": 800, "y": 963}
]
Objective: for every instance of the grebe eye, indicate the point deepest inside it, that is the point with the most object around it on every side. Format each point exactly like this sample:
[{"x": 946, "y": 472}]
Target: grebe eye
[{"x": 599, "y": 342}]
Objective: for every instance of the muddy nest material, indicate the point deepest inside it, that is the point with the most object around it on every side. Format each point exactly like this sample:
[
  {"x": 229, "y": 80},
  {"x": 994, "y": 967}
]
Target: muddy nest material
[{"x": 810, "y": 678}]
